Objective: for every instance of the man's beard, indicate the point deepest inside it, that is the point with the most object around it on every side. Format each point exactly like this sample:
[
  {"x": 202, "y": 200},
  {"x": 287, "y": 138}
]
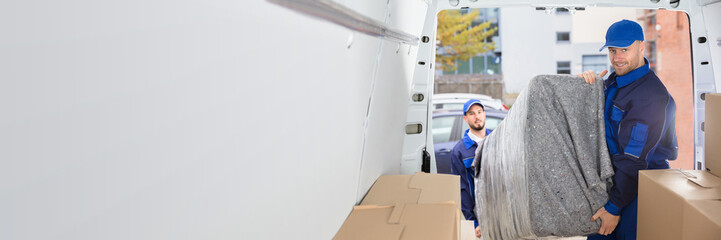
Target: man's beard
[{"x": 479, "y": 128}]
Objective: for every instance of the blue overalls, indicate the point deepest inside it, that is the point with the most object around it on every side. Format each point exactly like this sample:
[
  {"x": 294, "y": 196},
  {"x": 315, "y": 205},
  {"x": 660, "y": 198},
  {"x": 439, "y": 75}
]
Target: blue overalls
[
  {"x": 462, "y": 157},
  {"x": 640, "y": 133}
]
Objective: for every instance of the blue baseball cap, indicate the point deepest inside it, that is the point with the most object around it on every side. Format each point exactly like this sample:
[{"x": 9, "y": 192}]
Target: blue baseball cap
[
  {"x": 469, "y": 103},
  {"x": 622, "y": 34}
]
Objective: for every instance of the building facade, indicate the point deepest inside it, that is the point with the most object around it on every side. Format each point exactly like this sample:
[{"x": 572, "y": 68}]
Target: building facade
[{"x": 576, "y": 38}]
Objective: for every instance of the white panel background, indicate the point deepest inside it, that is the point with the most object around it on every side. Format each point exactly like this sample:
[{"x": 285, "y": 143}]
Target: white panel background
[
  {"x": 517, "y": 50},
  {"x": 712, "y": 18}
]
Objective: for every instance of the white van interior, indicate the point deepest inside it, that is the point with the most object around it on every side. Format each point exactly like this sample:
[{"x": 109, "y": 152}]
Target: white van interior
[{"x": 233, "y": 119}]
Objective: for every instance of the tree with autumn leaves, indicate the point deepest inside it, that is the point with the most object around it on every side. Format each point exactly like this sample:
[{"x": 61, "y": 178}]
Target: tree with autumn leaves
[{"x": 458, "y": 40}]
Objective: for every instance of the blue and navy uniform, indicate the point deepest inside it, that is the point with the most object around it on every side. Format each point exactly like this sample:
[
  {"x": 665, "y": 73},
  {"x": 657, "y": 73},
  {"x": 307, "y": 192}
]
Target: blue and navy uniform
[
  {"x": 640, "y": 133},
  {"x": 462, "y": 157}
]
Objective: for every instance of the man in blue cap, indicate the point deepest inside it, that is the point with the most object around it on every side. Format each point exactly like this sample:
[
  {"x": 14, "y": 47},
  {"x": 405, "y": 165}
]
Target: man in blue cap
[
  {"x": 463, "y": 154},
  {"x": 639, "y": 116}
]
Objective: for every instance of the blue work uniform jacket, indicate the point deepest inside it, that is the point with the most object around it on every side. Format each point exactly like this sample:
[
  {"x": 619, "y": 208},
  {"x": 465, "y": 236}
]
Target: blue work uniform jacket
[
  {"x": 640, "y": 130},
  {"x": 462, "y": 157}
]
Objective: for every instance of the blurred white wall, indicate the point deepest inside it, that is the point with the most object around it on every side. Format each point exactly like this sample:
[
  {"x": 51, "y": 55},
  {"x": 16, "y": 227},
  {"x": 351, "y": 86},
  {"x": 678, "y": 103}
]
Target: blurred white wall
[
  {"x": 530, "y": 46},
  {"x": 590, "y": 25},
  {"x": 528, "y": 39}
]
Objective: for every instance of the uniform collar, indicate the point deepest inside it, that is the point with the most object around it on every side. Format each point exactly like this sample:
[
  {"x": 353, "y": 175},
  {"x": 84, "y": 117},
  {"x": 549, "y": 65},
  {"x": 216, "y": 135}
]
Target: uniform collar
[
  {"x": 467, "y": 141},
  {"x": 633, "y": 75}
]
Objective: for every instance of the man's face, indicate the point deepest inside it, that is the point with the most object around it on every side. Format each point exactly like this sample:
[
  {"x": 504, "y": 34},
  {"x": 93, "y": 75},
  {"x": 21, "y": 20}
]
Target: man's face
[
  {"x": 475, "y": 117},
  {"x": 625, "y": 60}
]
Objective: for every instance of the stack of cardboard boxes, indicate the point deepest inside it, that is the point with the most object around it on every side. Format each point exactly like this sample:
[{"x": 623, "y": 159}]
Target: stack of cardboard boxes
[
  {"x": 678, "y": 204},
  {"x": 420, "y": 206}
]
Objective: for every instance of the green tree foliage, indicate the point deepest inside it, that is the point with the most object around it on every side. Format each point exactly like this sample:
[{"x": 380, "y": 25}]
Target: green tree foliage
[{"x": 458, "y": 40}]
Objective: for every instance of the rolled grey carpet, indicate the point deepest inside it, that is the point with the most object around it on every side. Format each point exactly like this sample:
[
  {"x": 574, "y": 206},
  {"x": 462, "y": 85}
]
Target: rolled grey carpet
[{"x": 545, "y": 169}]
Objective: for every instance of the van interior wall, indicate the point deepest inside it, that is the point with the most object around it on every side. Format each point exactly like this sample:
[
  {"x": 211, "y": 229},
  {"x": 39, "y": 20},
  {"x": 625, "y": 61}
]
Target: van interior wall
[
  {"x": 194, "y": 120},
  {"x": 713, "y": 39},
  {"x": 707, "y": 77}
]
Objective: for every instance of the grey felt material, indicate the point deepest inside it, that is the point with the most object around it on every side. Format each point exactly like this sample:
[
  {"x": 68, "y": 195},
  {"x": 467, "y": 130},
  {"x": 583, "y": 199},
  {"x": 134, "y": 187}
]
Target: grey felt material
[{"x": 545, "y": 170}]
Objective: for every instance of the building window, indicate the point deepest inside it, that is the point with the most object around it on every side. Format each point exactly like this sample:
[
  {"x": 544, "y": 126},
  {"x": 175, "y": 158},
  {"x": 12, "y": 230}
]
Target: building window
[
  {"x": 464, "y": 67},
  {"x": 563, "y": 37},
  {"x": 479, "y": 64},
  {"x": 597, "y": 63},
  {"x": 651, "y": 54},
  {"x": 652, "y": 18},
  {"x": 563, "y": 67}
]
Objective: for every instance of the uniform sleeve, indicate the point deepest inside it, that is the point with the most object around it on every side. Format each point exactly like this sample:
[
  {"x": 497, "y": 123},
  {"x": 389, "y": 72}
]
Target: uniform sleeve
[
  {"x": 639, "y": 132},
  {"x": 467, "y": 201}
]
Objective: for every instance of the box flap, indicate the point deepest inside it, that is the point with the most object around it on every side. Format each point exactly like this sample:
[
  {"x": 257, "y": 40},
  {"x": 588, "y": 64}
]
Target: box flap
[
  {"x": 706, "y": 180},
  {"x": 417, "y": 188},
  {"x": 437, "y": 188},
  {"x": 396, "y": 214},
  {"x": 402, "y": 221},
  {"x": 675, "y": 181},
  {"x": 429, "y": 221},
  {"x": 364, "y": 218},
  {"x": 390, "y": 189},
  {"x": 712, "y": 133}
]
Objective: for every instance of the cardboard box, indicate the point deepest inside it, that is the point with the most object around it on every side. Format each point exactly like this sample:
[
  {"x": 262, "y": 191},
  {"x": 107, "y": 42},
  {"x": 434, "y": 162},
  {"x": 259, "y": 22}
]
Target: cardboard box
[
  {"x": 419, "y": 206},
  {"x": 712, "y": 133},
  {"x": 402, "y": 221},
  {"x": 417, "y": 188},
  {"x": 678, "y": 204}
]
